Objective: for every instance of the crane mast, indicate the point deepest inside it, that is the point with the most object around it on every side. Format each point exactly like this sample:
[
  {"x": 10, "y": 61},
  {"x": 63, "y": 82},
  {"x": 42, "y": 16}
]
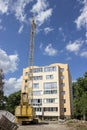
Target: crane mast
[
  {"x": 31, "y": 54},
  {"x": 31, "y": 62}
]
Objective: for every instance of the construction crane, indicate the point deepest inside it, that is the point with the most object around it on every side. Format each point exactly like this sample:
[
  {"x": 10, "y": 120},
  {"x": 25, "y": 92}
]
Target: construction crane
[
  {"x": 29, "y": 87},
  {"x": 24, "y": 112},
  {"x": 31, "y": 63}
]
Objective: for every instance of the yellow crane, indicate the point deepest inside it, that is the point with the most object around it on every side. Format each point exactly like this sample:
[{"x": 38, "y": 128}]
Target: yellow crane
[{"x": 24, "y": 112}]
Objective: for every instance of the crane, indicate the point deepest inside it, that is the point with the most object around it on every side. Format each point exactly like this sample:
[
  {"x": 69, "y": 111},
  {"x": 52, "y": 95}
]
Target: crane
[
  {"x": 31, "y": 62},
  {"x": 27, "y": 97},
  {"x": 25, "y": 112}
]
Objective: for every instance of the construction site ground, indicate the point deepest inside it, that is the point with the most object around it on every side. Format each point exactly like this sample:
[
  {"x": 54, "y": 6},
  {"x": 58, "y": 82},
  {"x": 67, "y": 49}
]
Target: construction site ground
[
  {"x": 67, "y": 125},
  {"x": 44, "y": 126}
]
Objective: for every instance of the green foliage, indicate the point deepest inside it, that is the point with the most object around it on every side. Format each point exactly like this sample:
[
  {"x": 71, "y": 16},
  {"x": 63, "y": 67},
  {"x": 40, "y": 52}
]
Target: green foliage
[
  {"x": 83, "y": 103},
  {"x": 12, "y": 101},
  {"x": 3, "y": 100},
  {"x": 80, "y": 97}
]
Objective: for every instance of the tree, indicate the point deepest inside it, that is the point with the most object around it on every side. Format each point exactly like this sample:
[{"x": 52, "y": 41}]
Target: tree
[
  {"x": 3, "y": 101},
  {"x": 80, "y": 97},
  {"x": 83, "y": 102},
  {"x": 12, "y": 101}
]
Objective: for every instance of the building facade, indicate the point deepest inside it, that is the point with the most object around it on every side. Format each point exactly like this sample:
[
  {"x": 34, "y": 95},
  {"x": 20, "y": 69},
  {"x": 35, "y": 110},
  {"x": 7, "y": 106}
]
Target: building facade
[{"x": 52, "y": 91}]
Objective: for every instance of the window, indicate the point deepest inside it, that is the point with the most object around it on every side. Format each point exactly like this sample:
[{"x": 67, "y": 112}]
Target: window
[
  {"x": 62, "y": 84},
  {"x": 25, "y": 81},
  {"x": 52, "y": 85},
  {"x": 50, "y": 69},
  {"x": 49, "y": 76},
  {"x": 51, "y": 100},
  {"x": 37, "y": 102},
  {"x": 62, "y": 69},
  {"x": 50, "y": 92},
  {"x": 36, "y": 85},
  {"x": 37, "y": 77},
  {"x": 62, "y": 77},
  {"x": 63, "y": 93},
  {"x": 38, "y": 109},
  {"x": 26, "y": 73},
  {"x": 37, "y": 93},
  {"x": 50, "y": 88},
  {"x": 51, "y": 109},
  {"x": 63, "y": 101},
  {"x": 63, "y": 109},
  {"x": 38, "y": 70}
]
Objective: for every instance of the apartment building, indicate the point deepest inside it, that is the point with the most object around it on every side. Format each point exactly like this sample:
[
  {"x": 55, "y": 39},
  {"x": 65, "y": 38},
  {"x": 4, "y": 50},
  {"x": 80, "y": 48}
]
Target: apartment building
[{"x": 52, "y": 90}]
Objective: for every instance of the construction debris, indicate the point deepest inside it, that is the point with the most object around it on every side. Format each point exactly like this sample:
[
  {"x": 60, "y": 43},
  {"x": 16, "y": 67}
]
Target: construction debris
[{"x": 7, "y": 121}]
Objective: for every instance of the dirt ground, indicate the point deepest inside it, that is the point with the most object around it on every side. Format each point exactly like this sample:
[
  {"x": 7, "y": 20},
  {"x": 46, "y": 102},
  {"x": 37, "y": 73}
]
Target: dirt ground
[
  {"x": 66, "y": 125},
  {"x": 44, "y": 126}
]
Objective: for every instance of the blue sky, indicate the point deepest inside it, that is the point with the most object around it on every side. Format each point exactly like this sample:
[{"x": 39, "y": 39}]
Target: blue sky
[{"x": 61, "y": 36}]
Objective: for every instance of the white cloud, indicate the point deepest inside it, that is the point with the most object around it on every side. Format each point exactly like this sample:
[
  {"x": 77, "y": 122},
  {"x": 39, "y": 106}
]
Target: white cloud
[
  {"x": 48, "y": 29},
  {"x": 8, "y": 63},
  {"x": 81, "y": 21},
  {"x": 43, "y": 16},
  {"x": 41, "y": 11},
  {"x": 50, "y": 51},
  {"x": 17, "y": 7},
  {"x": 20, "y": 29},
  {"x": 68, "y": 58},
  {"x": 4, "y": 6},
  {"x": 84, "y": 54},
  {"x": 41, "y": 46},
  {"x": 1, "y": 27},
  {"x": 12, "y": 85},
  {"x": 74, "y": 46},
  {"x": 61, "y": 31},
  {"x": 41, "y": 5}
]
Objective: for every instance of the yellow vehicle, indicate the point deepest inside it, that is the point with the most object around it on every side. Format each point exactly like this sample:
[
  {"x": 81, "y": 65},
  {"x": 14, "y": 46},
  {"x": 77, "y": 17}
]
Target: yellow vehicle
[{"x": 24, "y": 112}]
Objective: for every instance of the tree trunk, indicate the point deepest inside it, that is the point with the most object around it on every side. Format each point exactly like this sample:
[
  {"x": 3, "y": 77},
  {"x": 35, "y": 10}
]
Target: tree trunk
[{"x": 84, "y": 117}]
